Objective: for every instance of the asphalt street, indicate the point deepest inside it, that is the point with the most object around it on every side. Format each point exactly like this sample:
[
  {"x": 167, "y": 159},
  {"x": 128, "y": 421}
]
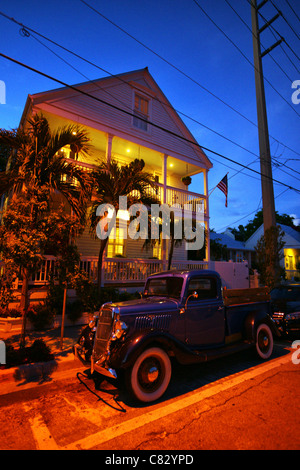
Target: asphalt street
[{"x": 233, "y": 403}]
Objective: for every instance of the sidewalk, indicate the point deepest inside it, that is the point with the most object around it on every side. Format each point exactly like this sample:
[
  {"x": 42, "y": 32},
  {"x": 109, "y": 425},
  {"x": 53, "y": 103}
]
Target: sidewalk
[{"x": 17, "y": 378}]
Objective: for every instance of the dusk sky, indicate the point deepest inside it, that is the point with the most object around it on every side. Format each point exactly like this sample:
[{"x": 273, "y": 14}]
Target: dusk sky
[{"x": 200, "y": 54}]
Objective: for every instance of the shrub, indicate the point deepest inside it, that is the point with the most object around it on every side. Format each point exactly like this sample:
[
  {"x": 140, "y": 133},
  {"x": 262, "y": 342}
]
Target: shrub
[
  {"x": 40, "y": 316},
  {"x": 37, "y": 352},
  {"x": 13, "y": 313}
]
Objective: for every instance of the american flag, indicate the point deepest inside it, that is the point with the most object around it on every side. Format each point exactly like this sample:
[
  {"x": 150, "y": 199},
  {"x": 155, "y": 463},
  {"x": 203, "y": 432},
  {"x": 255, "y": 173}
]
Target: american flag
[{"x": 223, "y": 185}]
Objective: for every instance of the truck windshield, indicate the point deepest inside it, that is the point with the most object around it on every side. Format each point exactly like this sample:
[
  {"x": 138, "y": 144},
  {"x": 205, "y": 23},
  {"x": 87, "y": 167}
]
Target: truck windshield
[{"x": 164, "y": 286}]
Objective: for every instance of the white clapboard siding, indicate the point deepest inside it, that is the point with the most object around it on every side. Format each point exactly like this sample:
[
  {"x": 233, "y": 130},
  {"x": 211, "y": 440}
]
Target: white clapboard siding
[{"x": 121, "y": 94}]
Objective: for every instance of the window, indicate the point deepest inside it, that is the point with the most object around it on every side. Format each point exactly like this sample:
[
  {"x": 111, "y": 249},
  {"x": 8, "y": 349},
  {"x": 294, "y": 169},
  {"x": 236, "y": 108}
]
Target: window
[
  {"x": 115, "y": 246},
  {"x": 141, "y": 110},
  {"x": 166, "y": 287},
  {"x": 206, "y": 288},
  {"x": 157, "y": 251}
]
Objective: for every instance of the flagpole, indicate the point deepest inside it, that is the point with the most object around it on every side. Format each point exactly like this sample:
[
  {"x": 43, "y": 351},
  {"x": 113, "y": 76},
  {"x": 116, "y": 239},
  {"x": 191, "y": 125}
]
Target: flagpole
[
  {"x": 216, "y": 186},
  {"x": 213, "y": 190}
]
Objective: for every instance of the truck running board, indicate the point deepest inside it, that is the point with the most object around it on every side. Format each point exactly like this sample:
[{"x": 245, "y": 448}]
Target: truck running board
[{"x": 210, "y": 354}]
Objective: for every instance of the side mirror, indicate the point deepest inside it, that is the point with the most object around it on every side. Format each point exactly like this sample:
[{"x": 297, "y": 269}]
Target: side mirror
[{"x": 194, "y": 295}]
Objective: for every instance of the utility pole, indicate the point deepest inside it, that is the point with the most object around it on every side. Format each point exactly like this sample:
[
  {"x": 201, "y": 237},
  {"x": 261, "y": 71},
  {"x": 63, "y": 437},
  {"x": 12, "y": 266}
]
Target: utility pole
[{"x": 263, "y": 132}]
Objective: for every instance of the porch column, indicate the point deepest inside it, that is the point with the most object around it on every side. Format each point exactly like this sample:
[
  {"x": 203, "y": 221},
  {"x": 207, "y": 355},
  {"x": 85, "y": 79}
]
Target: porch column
[
  {"x": 164, "y": 201},
  {"x": 109, "y": 147},
  {"x": 164, "y": 177},
  {"x": 206, "y": 215}
]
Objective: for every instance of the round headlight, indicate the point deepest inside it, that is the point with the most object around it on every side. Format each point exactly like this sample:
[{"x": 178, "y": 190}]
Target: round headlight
[{"x": 119, "y": 329}]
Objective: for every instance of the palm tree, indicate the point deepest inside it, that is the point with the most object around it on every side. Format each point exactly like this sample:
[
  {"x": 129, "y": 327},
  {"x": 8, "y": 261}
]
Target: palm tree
[
  {"x": 36, "y": 169},
  {"x": 35, "y": 162},
  {"x": 112, "y": 181}
]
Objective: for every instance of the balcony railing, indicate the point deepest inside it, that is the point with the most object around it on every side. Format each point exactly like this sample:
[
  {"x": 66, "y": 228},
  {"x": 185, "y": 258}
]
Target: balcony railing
[
  {"x": 174, "y": 196},
  {"x": 180, "y": 198},
  {"x": 196, "y": 201}
]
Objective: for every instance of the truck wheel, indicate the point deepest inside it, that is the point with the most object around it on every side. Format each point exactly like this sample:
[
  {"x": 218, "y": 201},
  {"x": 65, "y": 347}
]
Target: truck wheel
[
  {"x": 264, "y": 341},
  {"x": 150, "y": 375}
]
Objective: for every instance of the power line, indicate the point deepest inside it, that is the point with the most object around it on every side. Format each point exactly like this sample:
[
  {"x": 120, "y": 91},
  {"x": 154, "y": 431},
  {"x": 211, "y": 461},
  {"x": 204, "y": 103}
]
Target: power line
[
  {"x": 179, "y": 70},
  {"x": 27, "y": 28},
  {"x": 78, "y": 90},
  {"x": 250, "y": 213},
  {"x": 248, "y": 27},
  {"x": 26, "y": 33},
  {"x": 280, "y": 12},
  {"x": 166, "y": 61},
  {"x": 292, "y": 10},
  {"x": 282, "y": 38},
  {"x": 245, "y": 57}
]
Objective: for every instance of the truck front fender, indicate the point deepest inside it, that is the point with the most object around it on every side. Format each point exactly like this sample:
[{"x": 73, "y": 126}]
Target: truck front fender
[{"x": 125, "y": 355}]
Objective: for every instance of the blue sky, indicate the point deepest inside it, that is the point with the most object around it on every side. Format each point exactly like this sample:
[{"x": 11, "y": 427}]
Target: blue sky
[{"x": 210, "y": 81}]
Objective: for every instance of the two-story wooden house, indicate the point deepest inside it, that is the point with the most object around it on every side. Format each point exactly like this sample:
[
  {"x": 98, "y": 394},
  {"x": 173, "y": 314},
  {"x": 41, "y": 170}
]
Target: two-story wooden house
[{"x": 127, "y": 116}]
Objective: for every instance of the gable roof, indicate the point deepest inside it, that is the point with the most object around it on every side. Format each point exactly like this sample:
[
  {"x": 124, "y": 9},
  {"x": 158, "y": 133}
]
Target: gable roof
[
  {"x": 291, "y": 237},
  {"x": 229, "y": 241},
  {"x": 107, "y": 104}
]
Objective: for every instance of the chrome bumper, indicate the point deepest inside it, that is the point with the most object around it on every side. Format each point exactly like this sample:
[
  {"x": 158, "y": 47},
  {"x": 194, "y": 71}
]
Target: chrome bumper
[
  {"x": 101, "y": 369},
  {"x": 95, "y": 366},
  {"x": 78, "y": 353}
]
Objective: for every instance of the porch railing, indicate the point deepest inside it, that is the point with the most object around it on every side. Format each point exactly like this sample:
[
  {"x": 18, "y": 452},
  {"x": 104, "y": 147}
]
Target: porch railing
[
  {"x": 115, "y": 270},
  {"x": 129, "y": 270}
]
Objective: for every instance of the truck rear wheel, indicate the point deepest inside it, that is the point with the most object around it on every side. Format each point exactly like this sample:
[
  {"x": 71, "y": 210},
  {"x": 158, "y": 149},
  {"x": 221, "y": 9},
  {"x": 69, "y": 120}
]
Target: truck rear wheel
[
  {"x": 264, "y": 341},
  {"x": 149, "y": 377}
]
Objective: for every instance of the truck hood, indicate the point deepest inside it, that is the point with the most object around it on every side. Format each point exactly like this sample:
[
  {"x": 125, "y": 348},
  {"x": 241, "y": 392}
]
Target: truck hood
[{"x": 146, "y": 305}]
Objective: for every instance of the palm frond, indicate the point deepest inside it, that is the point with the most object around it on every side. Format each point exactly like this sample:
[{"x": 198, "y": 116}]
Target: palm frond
[{"x": 72, "y": 135}]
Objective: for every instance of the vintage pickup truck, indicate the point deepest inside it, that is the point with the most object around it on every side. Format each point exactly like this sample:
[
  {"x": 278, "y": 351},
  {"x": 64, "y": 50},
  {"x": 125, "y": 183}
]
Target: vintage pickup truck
[{"x": 183, "y": 315}]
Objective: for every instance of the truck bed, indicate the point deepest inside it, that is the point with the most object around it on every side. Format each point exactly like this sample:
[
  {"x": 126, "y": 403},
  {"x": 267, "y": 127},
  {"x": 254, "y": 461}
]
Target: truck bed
[
  {"x": 245, "y": 296},
  {"x": 239, "y": 303}
]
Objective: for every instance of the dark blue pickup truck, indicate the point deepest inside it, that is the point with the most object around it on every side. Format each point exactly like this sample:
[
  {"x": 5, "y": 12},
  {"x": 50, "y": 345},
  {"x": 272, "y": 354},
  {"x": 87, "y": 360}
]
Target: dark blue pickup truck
[{"x": 183, "y": 315}]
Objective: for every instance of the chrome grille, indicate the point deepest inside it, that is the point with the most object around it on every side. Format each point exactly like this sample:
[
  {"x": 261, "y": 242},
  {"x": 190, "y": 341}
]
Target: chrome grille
[
  {"x": 104, "y": 327},
  {"x": 157, "y": 322}
]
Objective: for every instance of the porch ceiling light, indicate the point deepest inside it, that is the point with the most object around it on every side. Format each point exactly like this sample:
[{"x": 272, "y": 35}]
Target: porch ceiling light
[{"x": 124, "y": 215}]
